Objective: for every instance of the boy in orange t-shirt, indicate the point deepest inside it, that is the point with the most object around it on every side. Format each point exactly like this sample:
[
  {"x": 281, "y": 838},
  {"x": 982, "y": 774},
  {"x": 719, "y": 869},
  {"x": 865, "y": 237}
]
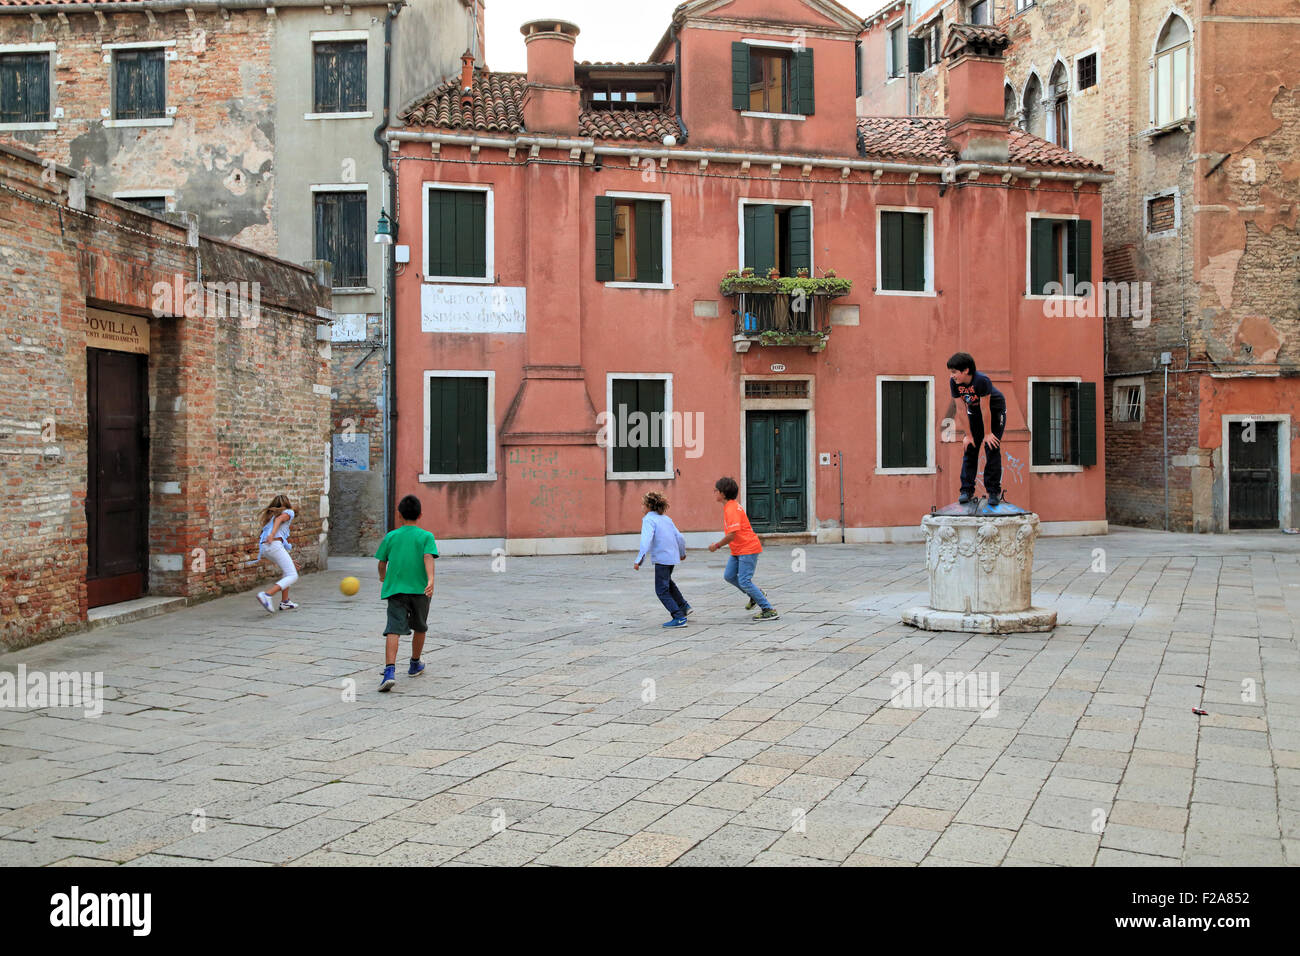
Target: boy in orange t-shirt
[{"x": 745, "y": 548}]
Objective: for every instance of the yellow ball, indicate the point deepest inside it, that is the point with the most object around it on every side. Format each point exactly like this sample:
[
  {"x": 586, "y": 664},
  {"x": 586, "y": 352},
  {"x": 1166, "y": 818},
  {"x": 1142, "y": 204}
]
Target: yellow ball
[{"x": 349, "y": 586}]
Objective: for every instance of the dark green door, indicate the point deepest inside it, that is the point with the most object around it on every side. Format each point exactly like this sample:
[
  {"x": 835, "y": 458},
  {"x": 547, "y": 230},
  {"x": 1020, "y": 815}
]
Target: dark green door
[
  {"x": 1252, "y": 475},
  {"x": 776, "y": 475}
]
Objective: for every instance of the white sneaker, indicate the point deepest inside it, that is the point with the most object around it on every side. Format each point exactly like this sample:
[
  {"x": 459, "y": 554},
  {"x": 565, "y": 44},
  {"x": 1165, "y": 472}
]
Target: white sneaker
[
  {"x": 265, "y": 600},
  {"x": 288, "y": 606}
]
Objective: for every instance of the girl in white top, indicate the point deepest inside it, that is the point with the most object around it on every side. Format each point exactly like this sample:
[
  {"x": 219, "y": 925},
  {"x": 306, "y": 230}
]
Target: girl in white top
[{"x": 274, "y": 544}]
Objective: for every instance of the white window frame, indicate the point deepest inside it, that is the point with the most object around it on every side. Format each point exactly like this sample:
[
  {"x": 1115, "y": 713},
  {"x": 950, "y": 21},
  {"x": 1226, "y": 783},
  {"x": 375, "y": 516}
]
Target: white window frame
[
  {"x": 740, "y": 227},
  {"x": 1074, "y": 66},
  {"x": 890, "y": 75},
  {"x": 929, "y": 292},
  {"x": 667, "y": 224},
  {"x": 1029, "y": 258},
  {"x": 346, "y": 188},
  {"x": 1022, "y": 5},
  {"x": 1191, "y": 72},
  {"x": 929, "y": 468},
  {"x": 1125, "y": 383},
  {"x": 666, "y": 433},
  {"x": 55, "y": 112},
  {"x": 1029, "y": 419},
  {"x": 338, "y": 36},
  {"x": 169, "y": 54},
  {"x": 491, "y": 376},
  {"x": 489, "y": 233},
  {"x": 773, "y": 45},
  {"x": 1283, "y": 465},
  {"x": 1178, "y": 213}
]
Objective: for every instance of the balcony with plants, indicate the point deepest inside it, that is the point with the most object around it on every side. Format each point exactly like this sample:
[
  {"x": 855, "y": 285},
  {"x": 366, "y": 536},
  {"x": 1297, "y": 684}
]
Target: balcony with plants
[{"x": 776, "y": 310}]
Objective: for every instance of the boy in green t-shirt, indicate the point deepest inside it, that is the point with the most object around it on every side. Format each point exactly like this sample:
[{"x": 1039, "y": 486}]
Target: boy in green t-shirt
[{"x": 406, "y": 572}]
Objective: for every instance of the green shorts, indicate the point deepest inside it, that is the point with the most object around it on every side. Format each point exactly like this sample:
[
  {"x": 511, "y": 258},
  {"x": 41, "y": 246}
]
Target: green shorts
[{"x": 407, "y": 613}]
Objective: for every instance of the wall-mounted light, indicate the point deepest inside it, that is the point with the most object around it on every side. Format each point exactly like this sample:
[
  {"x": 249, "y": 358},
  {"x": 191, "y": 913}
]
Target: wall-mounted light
[{"x": 384, "y": 230}]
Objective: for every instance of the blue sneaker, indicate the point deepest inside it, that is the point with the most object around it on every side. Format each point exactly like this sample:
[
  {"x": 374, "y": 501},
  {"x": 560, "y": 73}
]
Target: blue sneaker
[
  {"x": 675, "y": 622},
  {"x": 390, "y": 678},
  {"x": 417, "y": 668}
]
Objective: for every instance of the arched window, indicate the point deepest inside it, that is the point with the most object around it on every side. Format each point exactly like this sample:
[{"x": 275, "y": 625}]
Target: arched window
[
  {"x": 1173, "y": 71},
  {"x": 1058, "y": 126},
  {"x": 1033, "y": 111},
  {"x": 1010, "y": 109}
]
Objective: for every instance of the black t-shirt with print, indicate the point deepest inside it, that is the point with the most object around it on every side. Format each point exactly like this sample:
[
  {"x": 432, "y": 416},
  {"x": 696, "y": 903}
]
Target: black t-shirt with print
[{"x": 980, "y": 385}]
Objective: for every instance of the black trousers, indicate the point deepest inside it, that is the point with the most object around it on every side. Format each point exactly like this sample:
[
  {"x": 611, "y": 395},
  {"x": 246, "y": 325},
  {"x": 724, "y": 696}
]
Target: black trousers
[{"x": 993, "y": 460}]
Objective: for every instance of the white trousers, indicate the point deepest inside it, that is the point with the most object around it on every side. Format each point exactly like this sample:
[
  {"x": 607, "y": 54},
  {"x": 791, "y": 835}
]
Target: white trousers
[{"x": 275, "y": 551}]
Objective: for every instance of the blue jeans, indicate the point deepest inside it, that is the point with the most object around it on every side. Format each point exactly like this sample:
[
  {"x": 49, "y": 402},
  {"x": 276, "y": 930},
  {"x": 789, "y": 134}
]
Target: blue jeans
[
  {"x": 667, "y": 590},
  {"x": 740, "y": 573}
]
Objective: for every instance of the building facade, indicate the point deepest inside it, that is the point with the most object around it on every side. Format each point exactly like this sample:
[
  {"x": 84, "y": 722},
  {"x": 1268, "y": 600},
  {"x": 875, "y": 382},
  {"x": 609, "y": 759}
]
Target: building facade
[
  {"x": 261, "y": 122},
  {"x": 573, "y": 325},
  {"x": 158, "y": 388},
  {"x": 1191, "y": 105}
]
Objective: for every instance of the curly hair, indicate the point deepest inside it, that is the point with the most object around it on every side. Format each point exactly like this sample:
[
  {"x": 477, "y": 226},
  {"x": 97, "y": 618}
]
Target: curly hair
[{"x": 655, "y": 502}]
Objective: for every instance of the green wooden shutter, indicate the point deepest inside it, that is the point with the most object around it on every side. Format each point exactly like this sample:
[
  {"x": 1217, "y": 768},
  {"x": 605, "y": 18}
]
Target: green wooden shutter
[
  {"x": 604, "y": 239},
  {"x": 442, "y": 426},
  {"x": 324, "y": 73},
  {"x": 471, "y": 234},
  {"x": 649, "y": 241},
  {"x": 1072, "y": 397},
  {"x": 800, "y": 238},
  {"x": 916, "y": 55},
  {"x": 891, "y": 250},
  {"x": 1087, "y": 392},
  {"x": 760, "y": 238},
  {"x": 650, "y": 400},
  {"x": 442, "y": 232},
  {"x": 915, "y": 432},
  {"x": 1041, "y": 439},
  {"x": 1040, "y": 255},
  {"x": 802, "y": 87},
  {"x": 913, "y": 251},
  {"x": 1080, "y": 252},
  {"x": 471, "y": 425},
  {"x": 624, "y": 396},
  {"x": 891, "y": 425},
  {"x": 740, "y": 76}
]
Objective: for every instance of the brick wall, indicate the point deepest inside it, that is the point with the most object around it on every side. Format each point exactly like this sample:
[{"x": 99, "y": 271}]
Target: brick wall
[{"x": 239, "y": 409}]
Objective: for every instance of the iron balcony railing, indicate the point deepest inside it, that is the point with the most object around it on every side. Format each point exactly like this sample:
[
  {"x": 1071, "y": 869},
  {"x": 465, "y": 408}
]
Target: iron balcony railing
[{"x": 759, "y": 312}]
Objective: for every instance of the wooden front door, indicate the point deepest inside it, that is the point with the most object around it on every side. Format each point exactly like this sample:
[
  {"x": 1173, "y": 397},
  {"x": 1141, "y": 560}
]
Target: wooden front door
[
  {"x": 1252, "y": 475},
  {"x": 776, "y": 483},
  {"x": 117, "y": 490}
]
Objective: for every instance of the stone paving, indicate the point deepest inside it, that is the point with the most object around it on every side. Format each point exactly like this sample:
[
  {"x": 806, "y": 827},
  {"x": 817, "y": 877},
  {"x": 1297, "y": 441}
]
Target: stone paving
[{"x": 558, "y": 724}]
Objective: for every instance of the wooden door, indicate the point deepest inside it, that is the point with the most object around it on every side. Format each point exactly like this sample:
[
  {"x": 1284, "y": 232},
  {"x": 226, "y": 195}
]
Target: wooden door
[
  {"x": 1252, "y": 475},
  {"x": 776, "y": 482}
]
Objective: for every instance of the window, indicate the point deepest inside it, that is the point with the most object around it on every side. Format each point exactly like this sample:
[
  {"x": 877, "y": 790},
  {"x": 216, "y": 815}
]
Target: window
[
  {"x": 904, "y": 437},
  {"x": 458, "y": 234},
  {"x": 1010, "y": 110},
  {"x": 903, "y": 251},
  {"x": 776, "y": 237},
  {"x": 640, "y": 426},
  {"x": 978, "y": 12},
  {"x": 935, "y": 36},
  {"x": 340, "y": 237},
  {"x": 1034, "y": 121},
  {"x": 632, "y": 236},
  {"x": 1128, "y": 400},
  {"x": 1063, "y": 425},
  {"x": 1162, "y": 214},
  {"x": 459, "y": 426},
  {"x": 777, "y": 388},
  {"x": 1087, "y": 71},
  {"x": 896, "y": 58},
  {"x": 769, "y": 79},
  {"x": 339, "y": 76},
  {"x": 24, "y": 88},
  {"x": 139, "y": 84},
  {"x": 1060, "y": 255},
  {"x": 1059, "y": 126},
  {"x": 857, "y": 67},
  {"x": 1173, "y": 74},
  {"x": 1023, "y": 5},
  {"x": 154, "y": 204}
]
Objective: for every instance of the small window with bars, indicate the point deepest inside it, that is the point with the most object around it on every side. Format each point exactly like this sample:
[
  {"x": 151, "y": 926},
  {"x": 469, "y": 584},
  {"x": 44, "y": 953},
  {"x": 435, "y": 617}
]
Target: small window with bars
[
  {"x": 1087, "y": 71},
  {"x": 24, "y": 88},
  {"x": 1128, "y": 400},
  {"x": 140, "y": 84},
  {"x": 777, "y": 389},
  {"x": 1162, "y": 214},
  {"x": 1063, "y": 424}
]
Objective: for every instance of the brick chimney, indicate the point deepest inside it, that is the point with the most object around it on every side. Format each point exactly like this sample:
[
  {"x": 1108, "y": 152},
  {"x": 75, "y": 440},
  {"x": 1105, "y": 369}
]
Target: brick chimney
[
  {"x": 977, "y": 127},
  {"x": 466, "y": 78},
  {"x": 551, "y": 100}
]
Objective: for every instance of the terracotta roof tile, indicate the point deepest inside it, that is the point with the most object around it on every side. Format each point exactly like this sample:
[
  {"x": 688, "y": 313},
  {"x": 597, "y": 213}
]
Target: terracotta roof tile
[{"x": 924, "y": 139}]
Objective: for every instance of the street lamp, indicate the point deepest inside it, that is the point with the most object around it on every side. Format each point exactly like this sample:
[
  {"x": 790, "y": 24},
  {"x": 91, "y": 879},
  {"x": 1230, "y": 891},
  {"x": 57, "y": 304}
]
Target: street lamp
[{"x": 384, "y": 230}]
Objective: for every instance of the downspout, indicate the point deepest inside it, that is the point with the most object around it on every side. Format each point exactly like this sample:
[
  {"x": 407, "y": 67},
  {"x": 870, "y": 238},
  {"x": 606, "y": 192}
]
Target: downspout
[
  {"x": 390, "y": 290},
  {"x": 677, "y": 85}
]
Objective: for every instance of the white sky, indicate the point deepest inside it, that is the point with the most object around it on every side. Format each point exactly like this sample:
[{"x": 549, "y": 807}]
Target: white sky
[{"x": 621, "y": 30}]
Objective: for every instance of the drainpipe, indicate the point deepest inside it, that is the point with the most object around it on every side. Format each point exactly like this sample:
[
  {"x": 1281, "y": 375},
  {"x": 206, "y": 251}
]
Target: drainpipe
[
  {"x": 677, "y": 85},
  {"x": 390, "y": 284}
]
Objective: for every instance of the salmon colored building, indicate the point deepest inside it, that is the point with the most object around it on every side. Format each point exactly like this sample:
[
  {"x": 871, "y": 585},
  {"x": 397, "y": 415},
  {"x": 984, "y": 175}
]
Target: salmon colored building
[{"x": 572, "y": 327}]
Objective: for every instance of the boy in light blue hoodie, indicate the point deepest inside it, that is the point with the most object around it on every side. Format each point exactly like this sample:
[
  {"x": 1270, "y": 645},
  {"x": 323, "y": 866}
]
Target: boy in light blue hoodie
[{"x": 666, "y": 547}]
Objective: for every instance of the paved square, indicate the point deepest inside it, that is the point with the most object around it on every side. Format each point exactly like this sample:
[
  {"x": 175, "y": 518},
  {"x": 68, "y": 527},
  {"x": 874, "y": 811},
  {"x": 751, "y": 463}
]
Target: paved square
[{"x": 558, "y": 724}]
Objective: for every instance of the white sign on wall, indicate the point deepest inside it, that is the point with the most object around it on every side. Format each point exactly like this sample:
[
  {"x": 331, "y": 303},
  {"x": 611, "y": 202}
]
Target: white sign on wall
[
  {"x": 349, "y": 327},
  {"x": 461, "y": 308}
]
